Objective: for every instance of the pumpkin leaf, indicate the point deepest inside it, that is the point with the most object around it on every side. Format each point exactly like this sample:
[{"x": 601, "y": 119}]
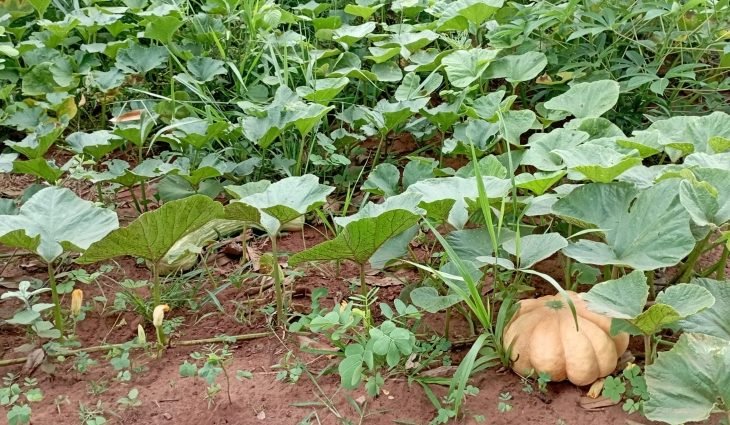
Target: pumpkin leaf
[
  {"x": 535, "y": 248},
  {"x": 655, "y": 318},
  {"x": 587, "y": 100},
  {"x": 463, "y": 67},
  {"x": 517, "y": 68},
  {"x": 445, "y": 199},
  {"x": 205, "y": 69},
  {"x": 622, "y": 298},
  {"x": 364, "y": 233},
  {"x": 55, "y": 220},
  {"x": 280, "y": 202},
  {"x": 686, "y": 298},
  {"x": 707, "y": 196},
  {"x": 713, "y": 320},
  {"x": 644, "y": 231},
  {"x": 597, "y": 163},
  {"x": 138, "y": 59},
  {"x": 39, "y": 167},
  {"x": 153, "y": 233},
  {"x": 691, "y": 134},
  {"x": 688, "y": 382},
  {"x": 383, "y": 180}
]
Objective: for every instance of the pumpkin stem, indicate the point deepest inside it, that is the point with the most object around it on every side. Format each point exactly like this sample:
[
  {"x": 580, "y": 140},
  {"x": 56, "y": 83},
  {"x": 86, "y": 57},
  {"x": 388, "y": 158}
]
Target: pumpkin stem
[{"x": 554, "y": 304}]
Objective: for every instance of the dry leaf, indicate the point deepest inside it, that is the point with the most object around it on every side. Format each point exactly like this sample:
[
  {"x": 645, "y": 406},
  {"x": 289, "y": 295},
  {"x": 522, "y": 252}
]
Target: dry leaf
[
  {"x": 384, "y": 282},
  {"x": 410, "y": 363},
  {"x": 360, "y": 400},
  {"x": 134, "y": 115},
  {"x": 306, "y": 342},
  {"x": 255, "y": 256},
  {"x": 35, "y": 358},
  {"x": 596, "y": 388},
  {"x": 233, "y": 249},
  {"x": 596, "y": 403},
  {"x": 440, "y": 372},
  {"x": 625, "y": 360},
  {"x": 544, "y": 79}
]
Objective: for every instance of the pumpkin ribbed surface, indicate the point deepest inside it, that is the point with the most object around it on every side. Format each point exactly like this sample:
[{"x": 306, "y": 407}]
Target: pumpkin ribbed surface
[{"x": 544, "y": 338}]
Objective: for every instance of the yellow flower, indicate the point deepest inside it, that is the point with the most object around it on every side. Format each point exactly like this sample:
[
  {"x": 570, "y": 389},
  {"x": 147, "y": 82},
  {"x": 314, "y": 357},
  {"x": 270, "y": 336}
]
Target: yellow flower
[
  {"x": 159, "y": 314},
  {"x": 77, "y": 299}
]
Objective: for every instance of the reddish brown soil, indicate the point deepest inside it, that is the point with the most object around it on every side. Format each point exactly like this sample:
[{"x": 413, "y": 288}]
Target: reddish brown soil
[{"x": 169, "y": 399}]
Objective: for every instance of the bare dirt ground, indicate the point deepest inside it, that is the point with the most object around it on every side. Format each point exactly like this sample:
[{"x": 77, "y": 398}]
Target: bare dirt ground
[{"x": 167, "y": 398}]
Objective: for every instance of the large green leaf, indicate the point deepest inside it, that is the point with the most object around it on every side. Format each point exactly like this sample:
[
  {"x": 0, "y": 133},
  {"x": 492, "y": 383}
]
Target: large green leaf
[
  {"x": 689, "y": 134},
  {"x": 686, "y": 298},
  {"x": 539, "y": 182},
  {"x": 349, "y": 34},
  {"x": 457, "y": 15},
  {"x": 587, "y": 100},
  {"x": 383, "y": 180},
  {"x": 540, "y": 154},
  {"x": 39, "y": 167},
  {"x": 535, "y": 248},
  {"x": 687, "y": 382},
  {"x": 597, "y": 163},
  {"x": 360, "y": 239},
  {"x": 138, "y": 59},
  {"x": 364, "y": 233},
  {"x": 37, "y": 143},
  {"x": 205, "y": 69},
  {"x": 153, "y": 233},
  {"x": 622, "y": 298},
  {"x": 517, "y": 68},
  {"x": 445, "y": 199},
  {"x": 463, "y": 67},
  {"x": 714, "y": 320},
  {"x": 55, "y": 220},
  {"x": 280, "y": 202},
  {"x": 645, "y": 232},
  {"x": 707, "y": 197},
  {"x": 324, "y": 89},
  {"x": 96, "y": 144}
]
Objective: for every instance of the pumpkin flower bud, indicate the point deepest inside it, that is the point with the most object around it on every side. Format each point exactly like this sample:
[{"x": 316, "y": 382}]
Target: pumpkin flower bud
[
  {"x": 159, "y": 314},
  {"x": 141, "y": 335},
  {"x": 77, "y": 299}
]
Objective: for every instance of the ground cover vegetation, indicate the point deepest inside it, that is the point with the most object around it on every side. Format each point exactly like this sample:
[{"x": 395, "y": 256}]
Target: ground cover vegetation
[{"x": 436, "y": 165}]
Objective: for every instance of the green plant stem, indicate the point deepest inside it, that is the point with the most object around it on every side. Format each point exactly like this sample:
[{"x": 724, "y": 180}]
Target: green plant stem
[
  {"x": 694, "y": 256},
  {"x": 280, "y": 319},
  {"x": 376, "y": 160},
  {"x": 566, "y": 275},
  {"x": 156, "y": 296},
  {"x": 57, "y": 317},
  {"x": 137, "y": 206},
  {"x": 228, "y": 384},
  {"x": 363, "y": 284},
  {"x": 648, "y": 351},
  {"x": 107, "y": 347},
  {"x": 720, "y": 273}
]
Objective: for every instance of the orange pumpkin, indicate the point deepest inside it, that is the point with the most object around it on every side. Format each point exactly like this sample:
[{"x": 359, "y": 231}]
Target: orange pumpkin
[{"x": 544, "y": 338}]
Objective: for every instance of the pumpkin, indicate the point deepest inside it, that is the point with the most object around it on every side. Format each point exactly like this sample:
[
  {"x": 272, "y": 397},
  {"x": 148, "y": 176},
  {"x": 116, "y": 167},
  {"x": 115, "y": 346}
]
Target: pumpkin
[{"x": 544, "y": 338}]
